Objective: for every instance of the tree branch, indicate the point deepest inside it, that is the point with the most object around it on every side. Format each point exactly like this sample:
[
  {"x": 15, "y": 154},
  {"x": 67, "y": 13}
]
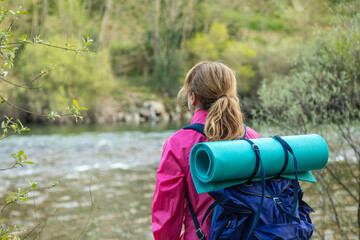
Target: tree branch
[
  {"x": 21, "y": 86},
  {"x": 20, "y": 109},
  {"x": 31, "y": 190},
  {"x": 341, "y": 183},
  {"x": 53, "y": 46},
  {"x": 89, "y": 220},
  {"x": 334, "y": 211},
  {"x": 24, "y": 110},
  {"x": 4, "y": 169},
  {"x": 35, "y": 228},
  {"x": 12, "y": 22}
]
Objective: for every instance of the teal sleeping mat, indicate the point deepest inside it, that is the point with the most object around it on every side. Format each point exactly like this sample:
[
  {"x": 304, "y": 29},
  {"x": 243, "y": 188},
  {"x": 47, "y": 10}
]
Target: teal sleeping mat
[{"x": 216, "y": 165}]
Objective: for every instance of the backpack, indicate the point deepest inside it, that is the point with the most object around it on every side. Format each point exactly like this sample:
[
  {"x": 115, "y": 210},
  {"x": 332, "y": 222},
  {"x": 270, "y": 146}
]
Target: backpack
[{"x": 272, "y": 209}]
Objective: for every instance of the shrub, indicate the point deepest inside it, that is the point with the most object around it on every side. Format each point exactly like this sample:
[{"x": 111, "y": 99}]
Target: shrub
[
  {"x": 322, "y": 95},
  {"x": 76, "y": 76}
]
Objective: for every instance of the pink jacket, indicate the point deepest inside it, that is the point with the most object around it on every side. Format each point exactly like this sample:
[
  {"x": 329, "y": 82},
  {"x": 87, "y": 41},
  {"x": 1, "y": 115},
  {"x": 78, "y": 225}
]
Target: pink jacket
[{"x": 170, "y": 209}]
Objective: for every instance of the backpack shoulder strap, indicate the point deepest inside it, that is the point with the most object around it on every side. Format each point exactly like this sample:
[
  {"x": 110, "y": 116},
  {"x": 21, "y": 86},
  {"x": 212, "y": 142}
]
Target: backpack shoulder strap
[
  {"x": 199, "y": 127},
  {"x": 245, "y": 131},
  {"x": 199, "y": 232}
]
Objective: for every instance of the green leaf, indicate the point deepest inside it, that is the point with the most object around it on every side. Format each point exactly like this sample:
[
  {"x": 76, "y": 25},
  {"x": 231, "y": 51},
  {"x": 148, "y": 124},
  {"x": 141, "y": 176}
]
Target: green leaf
[
  {"x": 29, "y": 162},
  {"x": 24, "y": 37},
  {"x": 21, "y": 12},
  {"x": 20, "y": 153}
]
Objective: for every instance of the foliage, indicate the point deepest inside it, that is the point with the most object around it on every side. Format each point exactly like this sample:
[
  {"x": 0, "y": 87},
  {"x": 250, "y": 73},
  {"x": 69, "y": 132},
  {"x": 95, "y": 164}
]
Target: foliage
[
  {"x": 216, "y": 45},
  {"x": 8, "y": 50},
  {"x": 80, "y": 77},
  {"x": 16, "y": 127},
  {"x": 322, "y": 94},
  {"x": 146, "y": 39}
]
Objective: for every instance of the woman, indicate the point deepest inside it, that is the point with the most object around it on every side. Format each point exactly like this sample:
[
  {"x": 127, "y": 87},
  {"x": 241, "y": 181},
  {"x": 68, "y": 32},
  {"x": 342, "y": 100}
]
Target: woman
[{"x": 210, "y": 89}]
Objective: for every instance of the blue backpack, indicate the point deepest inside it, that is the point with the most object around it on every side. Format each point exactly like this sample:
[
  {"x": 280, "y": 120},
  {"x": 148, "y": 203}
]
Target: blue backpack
[{"x": 272, "y": 209}]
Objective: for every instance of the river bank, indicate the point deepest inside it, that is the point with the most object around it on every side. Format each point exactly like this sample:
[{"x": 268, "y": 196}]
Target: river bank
[{"x": 131, "y": 108}]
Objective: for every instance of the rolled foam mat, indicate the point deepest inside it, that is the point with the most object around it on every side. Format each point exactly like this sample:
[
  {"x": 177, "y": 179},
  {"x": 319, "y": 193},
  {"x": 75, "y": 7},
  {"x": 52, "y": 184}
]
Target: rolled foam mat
[{"x": 216, "y": 165}]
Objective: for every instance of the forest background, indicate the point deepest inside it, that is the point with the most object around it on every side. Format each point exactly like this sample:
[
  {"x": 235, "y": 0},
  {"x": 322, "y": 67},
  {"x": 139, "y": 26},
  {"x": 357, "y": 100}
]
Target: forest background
[
  {"x": 297, "y": 63},
  {"x": 144, "y": 49}
]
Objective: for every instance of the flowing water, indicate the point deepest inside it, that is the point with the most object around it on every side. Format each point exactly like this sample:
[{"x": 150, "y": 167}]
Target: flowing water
[
  {"x": 106, "y": 177},
  {"x": 113, "y": 168}
]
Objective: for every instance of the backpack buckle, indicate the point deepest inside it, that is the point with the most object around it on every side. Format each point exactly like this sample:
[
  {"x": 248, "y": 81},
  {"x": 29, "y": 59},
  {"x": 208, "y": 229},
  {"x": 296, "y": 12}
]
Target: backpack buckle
[
  {"x": 277, "y": 200},
  {"x": 200, "y": 234},
  {"x": 255, "y": 147}
]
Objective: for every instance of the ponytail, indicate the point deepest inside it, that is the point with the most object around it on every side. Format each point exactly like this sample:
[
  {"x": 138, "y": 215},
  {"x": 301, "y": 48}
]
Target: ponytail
[
  {"x": 214, "y": 84},
  {"x": 224, "y": 120}
]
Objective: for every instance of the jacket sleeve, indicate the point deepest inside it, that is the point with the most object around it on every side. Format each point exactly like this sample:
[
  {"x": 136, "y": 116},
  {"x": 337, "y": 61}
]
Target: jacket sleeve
[
  {"x": 169, "y": 196},
  {"x": 251, "y": 134}
]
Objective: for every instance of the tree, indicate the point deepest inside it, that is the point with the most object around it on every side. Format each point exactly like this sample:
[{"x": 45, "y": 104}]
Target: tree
[
  {"x": 217, "y": 45},
  {"x": 323, "y": 95},
  {"x": 9, "y": 47}
]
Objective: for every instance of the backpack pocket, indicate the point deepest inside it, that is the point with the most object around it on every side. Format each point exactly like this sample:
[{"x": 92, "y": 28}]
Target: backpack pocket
[
  {"x": 304, "y": 211},
  {"x": 230, "y": 226},
  {"x": 285, "y": 231}
]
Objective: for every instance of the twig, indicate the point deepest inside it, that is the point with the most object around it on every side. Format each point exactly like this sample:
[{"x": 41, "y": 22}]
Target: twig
[
  {"x": 35, "y": 228},
  {"x": 7, "y": 204},
  {"x": 63, "y": 48},
  {"x": 53, "y": 46},
  {"x": 66, "y": 228},
  {"x": 21, "y": 109},
  {"x": 24, "y": 110},
  {"x": 38, "y": 233},
  {"x": 36, "y": 217},
  {"x": 350, "y": 168},
  {"x": 350, "y": 141},
  {"x": 335, "y": 212},
  {"x": 5, "y": 169},
  {"x": 43, "y": 188},
  {"x": 18, "y": 85},
  {"x": 319, "y": 233},
  {"x": 90, "y": 214},
  {"x": 12, "y": 22},
  {"x": 341, "y": 183}
]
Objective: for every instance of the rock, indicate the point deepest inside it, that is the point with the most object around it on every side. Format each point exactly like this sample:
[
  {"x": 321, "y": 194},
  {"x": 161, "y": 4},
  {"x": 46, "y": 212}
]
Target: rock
[{"x": 145, "y": 112}]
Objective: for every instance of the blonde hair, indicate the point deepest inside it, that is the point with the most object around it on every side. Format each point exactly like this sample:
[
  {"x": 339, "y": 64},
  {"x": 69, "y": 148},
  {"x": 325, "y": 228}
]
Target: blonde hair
[{"x": 214, "y": 84}]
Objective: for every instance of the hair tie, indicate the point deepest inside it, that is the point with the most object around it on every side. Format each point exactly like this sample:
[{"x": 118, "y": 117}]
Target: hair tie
[{"x": 224, "y": 95}]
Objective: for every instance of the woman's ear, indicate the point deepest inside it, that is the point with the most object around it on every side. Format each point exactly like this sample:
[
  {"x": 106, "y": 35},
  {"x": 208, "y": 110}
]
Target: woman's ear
[{"x": 194, "y": 103}]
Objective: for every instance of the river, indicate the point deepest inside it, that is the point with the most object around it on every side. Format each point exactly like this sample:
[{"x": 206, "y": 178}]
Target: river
[
  {"x": 105, "y": 174},
  {"x": 116, "y": 165}
]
